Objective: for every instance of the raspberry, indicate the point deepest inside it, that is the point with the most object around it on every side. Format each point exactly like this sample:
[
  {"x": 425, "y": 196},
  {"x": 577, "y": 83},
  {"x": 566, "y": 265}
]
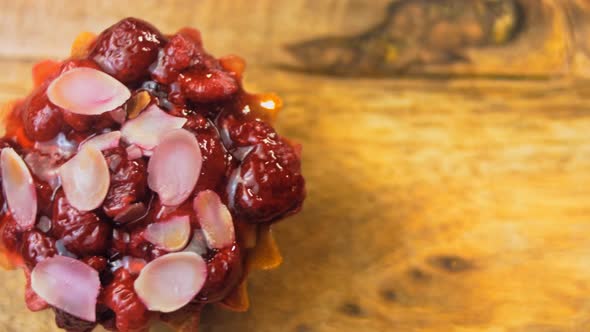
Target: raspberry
[
  {"x": 119, "y": 296},
  {"x": 128, "y": 182},
  {"x": 83, "y": 233},
  {"x": 72, "y": 324},
  {"x": 224, "y": 272},
  {"x": 127, "y": 49},
  {"x": 37, "y": 247}
]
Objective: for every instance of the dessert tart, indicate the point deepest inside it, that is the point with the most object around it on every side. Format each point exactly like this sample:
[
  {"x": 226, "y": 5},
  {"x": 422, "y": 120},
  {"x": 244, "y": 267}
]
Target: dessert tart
[{"x": 140, "y": 181}]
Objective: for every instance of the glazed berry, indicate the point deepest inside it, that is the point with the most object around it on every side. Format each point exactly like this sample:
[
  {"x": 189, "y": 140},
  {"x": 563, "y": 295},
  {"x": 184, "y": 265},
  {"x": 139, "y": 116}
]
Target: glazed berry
[
  {"x": 128, "y": 182},
  {"x": 37, "y": 247},
  {"x": 11, "y": 237},
  {"x": 127, "y": 49},
  {"x": 119, "y": 296},
  {"x": 207, "y": 85},
  {"x": 268, "y": 183},
  {"x": 41, "y": 119},
  {"x": 98, "y": 263},
  {"x": 224, "y": 272},
  {"x": 83, "y": 233},
  {"x": 72, "y": 324},
  {"x": 182, "y": 51},
  {"x": 216, "y": 160}
]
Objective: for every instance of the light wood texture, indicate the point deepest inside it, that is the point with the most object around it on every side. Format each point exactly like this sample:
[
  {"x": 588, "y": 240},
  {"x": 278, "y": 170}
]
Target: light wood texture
[{"x": 434, "y": 204}]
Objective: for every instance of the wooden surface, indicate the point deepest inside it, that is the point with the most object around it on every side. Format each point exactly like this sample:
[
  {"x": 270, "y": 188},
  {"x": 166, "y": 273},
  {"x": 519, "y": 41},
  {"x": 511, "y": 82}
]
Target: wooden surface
[{"x": 435, "y": 204}]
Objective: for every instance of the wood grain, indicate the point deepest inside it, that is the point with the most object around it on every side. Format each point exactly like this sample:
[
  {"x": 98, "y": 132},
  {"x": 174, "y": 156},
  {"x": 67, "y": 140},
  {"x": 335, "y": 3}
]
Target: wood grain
[{"x": 434, "y": 204}]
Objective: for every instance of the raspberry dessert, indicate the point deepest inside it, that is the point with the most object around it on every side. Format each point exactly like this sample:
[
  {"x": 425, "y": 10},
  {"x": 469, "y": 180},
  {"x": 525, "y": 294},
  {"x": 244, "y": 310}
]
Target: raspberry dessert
[{"x": 140, "y": 181}]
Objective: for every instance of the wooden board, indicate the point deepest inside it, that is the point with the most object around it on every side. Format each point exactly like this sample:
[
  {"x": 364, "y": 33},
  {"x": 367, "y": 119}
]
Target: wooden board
[{"x": 435, "y": 204}]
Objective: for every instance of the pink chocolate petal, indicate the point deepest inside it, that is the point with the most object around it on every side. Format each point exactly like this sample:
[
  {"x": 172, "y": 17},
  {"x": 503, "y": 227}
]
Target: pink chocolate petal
[
  {"x": 67, "y": 284},
  {"x": 215, "y": 219},
  {"x": 19, "y": 189},
  {"x": 104, "y": 141},
  {"x": 171, "y": 281},
  {"x": 134, "y": 152},
  {"x": 87, "y": 91},
  {"x": 150, "y": 126},
  {"x": 170, "y": 235},
  {"x": 85, "y": 179},
  {"x": 174, "y": 168}
]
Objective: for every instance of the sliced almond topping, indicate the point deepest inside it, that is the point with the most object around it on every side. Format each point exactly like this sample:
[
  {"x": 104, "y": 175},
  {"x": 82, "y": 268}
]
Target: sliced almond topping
[
  {"x": 67, "y": 284},
  {"x": 215, "y": 219},
  {"x": 137, "y": 103},
  {"x": 19, "y": 189},
  {"x": 85, "y": 179},
  {"x": 104, "y": 141},
  {"x": 171, "y": 281},
  {"x": 87, "y": 91},
  {"x": 150, "y": 126},
  {"x": 174, "y": 168},
  {"x": 170, "y": 235}
]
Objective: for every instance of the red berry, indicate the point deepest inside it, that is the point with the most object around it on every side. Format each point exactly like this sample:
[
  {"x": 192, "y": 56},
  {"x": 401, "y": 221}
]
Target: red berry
[
  {"x": 215, "y": 157},
  {"x": 42, "y": 120},
  {"x": 128, "y": 182},
  {"x": 119, "y": 296},
  {"x": 207, "y": 85},
  {"x": 11, "y": 237},
  {"x": 141, "y": 248},
  {"x": 268, "y": 184},
  {"x": 127, "y": 49},
  {"x": 83, "y": 233},
  {"x": 98, "y": 263},
  {"x": 224, "y": 273},
  {"x": 37, "y": 247},
  {"x": 184, "y": 50},
  {"x": 44, "y": 196},
  {"x": 72, "y": 324}
]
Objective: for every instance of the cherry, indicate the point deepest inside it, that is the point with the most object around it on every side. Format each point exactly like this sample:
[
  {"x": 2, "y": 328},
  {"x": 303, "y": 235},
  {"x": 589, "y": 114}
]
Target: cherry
[
  {"x": 98, "y": 263},
  {"x": 207, "y": 85},
  {"x": 127, "y": 49},
  {"x": 268, "y": 183},
  {"x": 11, "y": 237},
  {"x": 224, "y": 268},
  {"x": 216, "y": 160},
  {"x": 128, "y": 182},
  {"x": 41, "y": 119},
  {"x": 83, "y": 233},
  {"x": 119, "y": 296},
  {"x": 37, "y": 247}
]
